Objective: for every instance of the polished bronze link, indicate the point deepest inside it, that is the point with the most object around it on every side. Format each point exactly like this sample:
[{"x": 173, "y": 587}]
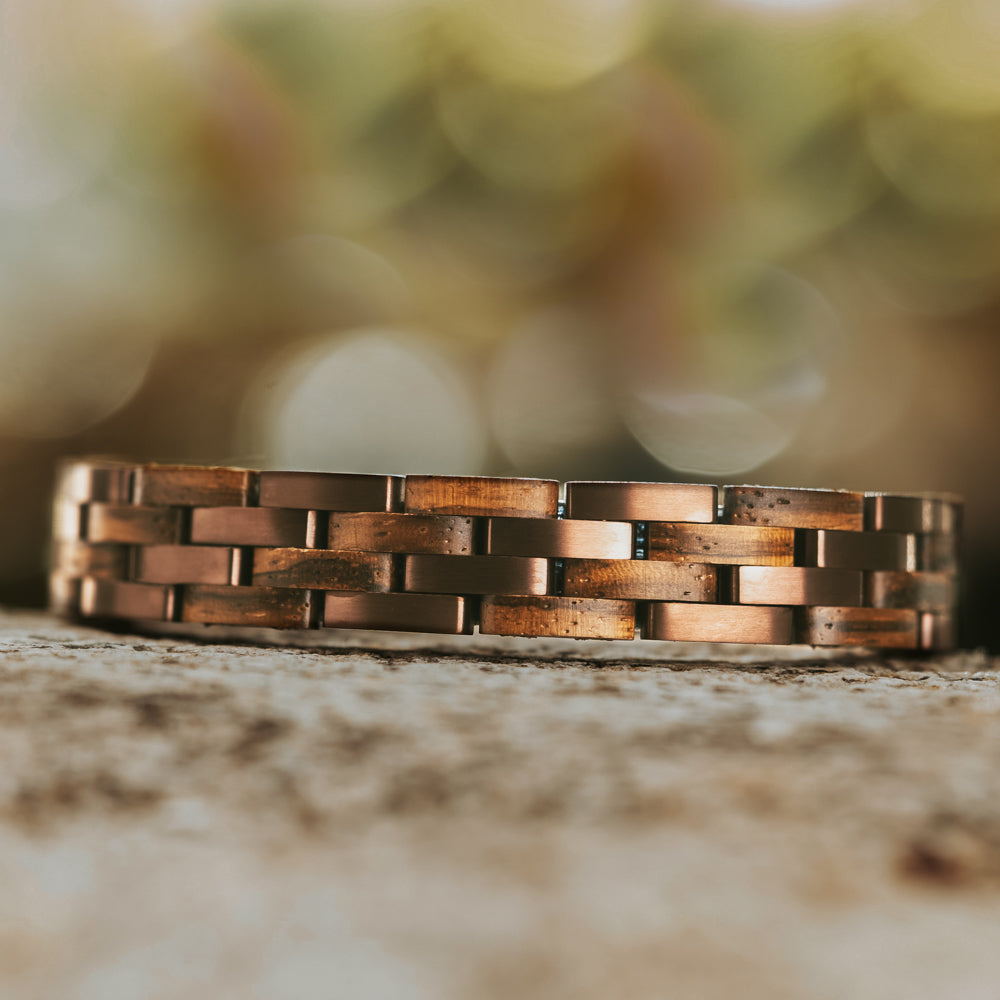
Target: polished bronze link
[
  {"x": 445, "y": 554},
  {"x": 321, "y": 569},
  {"x": 120, "y": 599},
  {"x": 558, "y": 539},
  {"x": 913, "y": 514},
  {"x": 480, "y": 496},
  {"x": 793, "y": 508},
  {"x": 67, "y": 521},
  {"x": 443, "y": 534},
  {"x": 639, "y": 580},
  {"x": 445, "y": 614},
  {"x": 191, "y": 486},
  {"x": 794, "y": 585},
  {"x": 186, "y": 564},
  {"x": 923, "y": 591},
  {"x": 871, "y": 550},
  {"x": 575, "y": 617},
  {"x": 263, "y": 526},
  {"x": 883, "y": 628},
  {"x": 100, "y": 482},
  {"x": 263, "y": 607},
  {"x": 77, "y": 559},
  {"x": 475, "y": 574},
  {"x": 719, "y": 623},
  {"x": 938, "y": 553},
  {"x": 132, "y": 525},
  {"x": 611, "y": 501},
  {"x": 330, "y": 491},
  {"x": 722, "y": 544},
  {"x": 937, "y": 630}
]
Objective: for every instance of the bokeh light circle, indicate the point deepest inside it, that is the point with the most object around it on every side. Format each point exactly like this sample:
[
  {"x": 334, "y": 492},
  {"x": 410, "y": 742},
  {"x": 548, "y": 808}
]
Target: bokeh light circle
[
  {"x": 736, "y": 389},
  {"x": 704, "y": 433},
  {"x": 58, "y": 383},
  {"x": 376, "y": 399}
]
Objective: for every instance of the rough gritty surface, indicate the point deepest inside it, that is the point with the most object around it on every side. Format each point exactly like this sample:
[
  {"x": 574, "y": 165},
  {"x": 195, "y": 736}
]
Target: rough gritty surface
[{"x": 212, "y": 821}]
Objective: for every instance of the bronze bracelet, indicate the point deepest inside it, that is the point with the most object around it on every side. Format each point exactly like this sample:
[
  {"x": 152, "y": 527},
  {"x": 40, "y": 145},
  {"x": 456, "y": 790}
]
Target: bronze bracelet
[{"x": 523, "y": 557}]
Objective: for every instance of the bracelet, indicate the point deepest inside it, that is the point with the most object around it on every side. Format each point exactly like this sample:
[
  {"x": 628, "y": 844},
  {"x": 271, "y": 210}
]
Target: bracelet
[{"x": 448, "y": 554}]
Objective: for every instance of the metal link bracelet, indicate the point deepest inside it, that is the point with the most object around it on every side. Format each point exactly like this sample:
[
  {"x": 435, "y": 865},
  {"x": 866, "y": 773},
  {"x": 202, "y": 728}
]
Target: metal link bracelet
[{"x": 447, "y": 554}]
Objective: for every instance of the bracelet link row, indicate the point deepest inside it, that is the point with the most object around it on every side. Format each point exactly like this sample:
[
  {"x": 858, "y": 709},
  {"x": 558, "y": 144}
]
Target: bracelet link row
[{"x": 673, "y": 561}]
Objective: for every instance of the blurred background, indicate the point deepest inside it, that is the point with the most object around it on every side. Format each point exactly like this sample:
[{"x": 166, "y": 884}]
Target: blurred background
[{"x": 731, "y": 241}]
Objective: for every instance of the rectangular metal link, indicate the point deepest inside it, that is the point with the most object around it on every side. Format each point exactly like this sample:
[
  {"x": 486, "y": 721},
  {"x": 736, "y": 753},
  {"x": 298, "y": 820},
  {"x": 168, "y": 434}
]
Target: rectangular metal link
[
  {"x": 794, "y": 508},
  {"x": 257, "y": 526},
  {"x": 261, "y": 607},
  {"x": 625, "y": 501},
  {"x": 870, "y": 550},
  {"x": 188, "y": 486},
  {"x": 76, "y": 559},
  {"x": 321, "y": 569},
  {"x": 639, "y": 580},
  {"x": 558, "y": 539},
  {"x": 480, "y": 496},
  {"x": 938, "y": 553},
  {"x": 719, "y": 623},
  {"x": 130, "y": 525},
  {"x": 923, "y": 591},
  {"x": 443, "y": 534},
  {"x": 67, "y": 521},
  {"x": 722, "y": 544},
  {"x": 796, "y": 585},
  {"x": 883, "y": 628},
  {"x": 186, "y": 564},
  {"x": 444, "y": 614},
  {"x": 938, "y": 630},
  {"x": 572, "y": 617},
  {"x": 475, "y": 574},
  {"x": 84, "y": 481},
  {"x": 118, "y": 599},
  {"x": 914, "y": 514},
  {"x": 330, "y": 491}
]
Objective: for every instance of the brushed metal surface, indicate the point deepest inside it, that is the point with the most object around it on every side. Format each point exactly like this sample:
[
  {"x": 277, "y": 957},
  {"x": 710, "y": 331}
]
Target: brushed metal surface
[
  {"x": 627, "y": 501},
  {"x": 870, "y": 550},
  {"x": 130, "y": 525},
  {"x": 559, "y": 539},
  {"x": 719, "y": 623},
  {"x": 444, "y": 614},
  {"x": 121, "y": 599},
  {"x": 263, "y": 526},
  {"x": 329, "y": 491},
  {"x": 796, "y": 585},
  {"x": 922, "y": 591},
  {"x": 186, "y": 564},
  {"x": 475, "y": 574},
  {"x": 912, "y": 513}
]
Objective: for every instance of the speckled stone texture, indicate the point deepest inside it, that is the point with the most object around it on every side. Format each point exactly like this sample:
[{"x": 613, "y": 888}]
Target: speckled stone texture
[{"x": 184, "y": 819}]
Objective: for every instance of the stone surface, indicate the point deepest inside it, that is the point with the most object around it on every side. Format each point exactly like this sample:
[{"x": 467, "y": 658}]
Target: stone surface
[{"x": 199, "y": 820}]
